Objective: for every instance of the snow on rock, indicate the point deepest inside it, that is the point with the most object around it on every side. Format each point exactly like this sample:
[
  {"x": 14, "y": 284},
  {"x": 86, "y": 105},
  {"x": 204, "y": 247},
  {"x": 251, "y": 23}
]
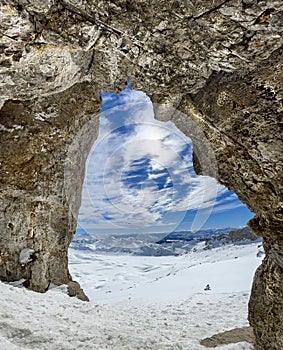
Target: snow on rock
[{"x": 26, "y": 256}]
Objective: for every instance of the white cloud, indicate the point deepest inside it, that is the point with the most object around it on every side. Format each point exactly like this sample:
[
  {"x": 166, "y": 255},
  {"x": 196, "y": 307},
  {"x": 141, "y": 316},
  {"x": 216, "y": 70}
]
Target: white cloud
[{"x": 137, "y": 171}]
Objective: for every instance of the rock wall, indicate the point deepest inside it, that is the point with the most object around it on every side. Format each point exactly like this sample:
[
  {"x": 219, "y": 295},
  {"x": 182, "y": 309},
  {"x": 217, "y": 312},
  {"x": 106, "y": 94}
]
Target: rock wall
[
  {"x": 35, "y": 212},
  {"x": 218, "y": 62}
]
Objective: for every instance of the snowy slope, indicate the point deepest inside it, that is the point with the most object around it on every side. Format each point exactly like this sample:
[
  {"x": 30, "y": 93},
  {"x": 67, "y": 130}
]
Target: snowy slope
[
  {"x": 114, "y": 278},
  {"x": 167, "y": 310},
  {"x": 53, "y": 321}
]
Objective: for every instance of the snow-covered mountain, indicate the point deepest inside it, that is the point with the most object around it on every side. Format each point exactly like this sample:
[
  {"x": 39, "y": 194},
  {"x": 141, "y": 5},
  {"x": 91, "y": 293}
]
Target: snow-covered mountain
[{"x": 160, "y": 244}]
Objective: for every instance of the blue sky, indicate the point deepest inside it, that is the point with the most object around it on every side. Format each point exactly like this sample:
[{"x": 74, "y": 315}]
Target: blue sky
[{"x": 140, "y": 176}]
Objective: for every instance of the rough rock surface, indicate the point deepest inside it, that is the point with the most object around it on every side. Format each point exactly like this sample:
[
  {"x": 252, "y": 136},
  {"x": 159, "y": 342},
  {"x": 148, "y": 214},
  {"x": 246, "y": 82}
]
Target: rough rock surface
[
  {"x": 235, "y": 335},
  {"x": 74, "y": 290},
  {"x": 35, "y": 212},
  {"x": 219, "y": 62}
]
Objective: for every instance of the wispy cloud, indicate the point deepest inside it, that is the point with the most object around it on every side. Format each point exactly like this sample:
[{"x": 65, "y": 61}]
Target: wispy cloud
[{"x": 140, "y": 170}]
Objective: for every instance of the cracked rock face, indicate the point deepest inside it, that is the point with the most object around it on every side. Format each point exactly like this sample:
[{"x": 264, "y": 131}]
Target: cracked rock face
[
  {"x": 218, "y": 62},
  {"x": 35, "y": 212}
]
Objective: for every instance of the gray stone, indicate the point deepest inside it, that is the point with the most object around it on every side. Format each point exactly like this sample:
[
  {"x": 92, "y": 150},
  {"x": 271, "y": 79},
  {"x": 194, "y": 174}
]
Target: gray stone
[
  {"x": 218, "y": 62},
  {"x": 74, "y": 290},
  {"x": 229, "y": 337}
]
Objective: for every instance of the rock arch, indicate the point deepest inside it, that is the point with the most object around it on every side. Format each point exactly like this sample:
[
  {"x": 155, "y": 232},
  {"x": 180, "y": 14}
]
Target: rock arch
[{"x": 219, "y": 62}]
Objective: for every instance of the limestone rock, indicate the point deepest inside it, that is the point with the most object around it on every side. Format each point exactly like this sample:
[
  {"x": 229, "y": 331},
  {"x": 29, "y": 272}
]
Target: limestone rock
[
  {"x": 74, "y": 290},
  {"x": 233, "y": 336},
  {"x": 218, "y": 62}
]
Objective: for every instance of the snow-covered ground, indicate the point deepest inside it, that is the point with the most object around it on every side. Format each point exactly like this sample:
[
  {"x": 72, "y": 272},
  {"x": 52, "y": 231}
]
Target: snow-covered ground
[
  {"x": 168, "y": 308},
  {"x": 115, "y": 278}
]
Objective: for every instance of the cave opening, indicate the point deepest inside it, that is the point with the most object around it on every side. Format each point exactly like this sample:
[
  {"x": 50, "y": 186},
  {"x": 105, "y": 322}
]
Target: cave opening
[{"x": 141, "y": 197}]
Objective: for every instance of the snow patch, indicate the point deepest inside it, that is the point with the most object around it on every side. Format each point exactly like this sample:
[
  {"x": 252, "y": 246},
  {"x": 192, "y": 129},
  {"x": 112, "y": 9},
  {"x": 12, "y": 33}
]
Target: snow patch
[
  {"x": 26, "y": 256},
  {"x": 42, "y": 116},
  {"x": 12, "y": 129}
]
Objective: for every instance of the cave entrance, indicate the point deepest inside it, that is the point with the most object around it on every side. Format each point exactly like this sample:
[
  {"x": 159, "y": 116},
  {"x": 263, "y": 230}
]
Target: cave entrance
[{"x": 141, "y": 199}]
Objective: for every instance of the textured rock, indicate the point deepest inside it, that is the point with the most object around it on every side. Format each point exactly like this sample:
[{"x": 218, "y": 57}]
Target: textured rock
[
  {"x": 74, "y": 290},
  {"x": 219, "y": 62},
  {"x": 34, "y": 158},
  {"x": 233, "y": 336}
]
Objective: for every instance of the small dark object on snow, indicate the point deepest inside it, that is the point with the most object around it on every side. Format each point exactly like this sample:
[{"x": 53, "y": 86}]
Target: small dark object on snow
[{"x": 207, "y": 287}]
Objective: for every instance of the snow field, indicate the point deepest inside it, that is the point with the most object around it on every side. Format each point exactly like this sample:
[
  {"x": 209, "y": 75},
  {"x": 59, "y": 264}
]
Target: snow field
[
  {"x": 56, "y": 322},
  {"x": 114, "y": 278},
  {"x": 139, "y": 303}
]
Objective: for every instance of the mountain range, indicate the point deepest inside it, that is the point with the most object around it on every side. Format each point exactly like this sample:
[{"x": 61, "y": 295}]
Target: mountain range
[{"x": 162, "y": 244}]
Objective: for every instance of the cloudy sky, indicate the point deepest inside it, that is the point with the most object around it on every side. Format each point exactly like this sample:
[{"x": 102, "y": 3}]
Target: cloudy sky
[{"x": 140, "y": 176}]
